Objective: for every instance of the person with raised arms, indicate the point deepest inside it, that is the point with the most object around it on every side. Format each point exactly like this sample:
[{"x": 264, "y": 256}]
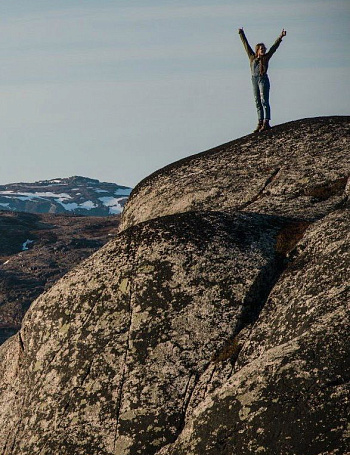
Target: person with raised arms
[{"x": 259, "y": 63}]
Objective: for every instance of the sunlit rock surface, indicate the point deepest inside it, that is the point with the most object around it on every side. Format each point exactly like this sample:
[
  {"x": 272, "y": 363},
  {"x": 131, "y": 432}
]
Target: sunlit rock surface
[
  {"x": 297, "y": 169},
  {"x": 205, "y": 332}
]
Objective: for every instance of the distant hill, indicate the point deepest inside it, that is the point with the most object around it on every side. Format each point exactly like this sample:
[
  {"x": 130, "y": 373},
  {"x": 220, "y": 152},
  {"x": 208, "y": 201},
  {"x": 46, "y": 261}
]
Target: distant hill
[{"x": 76, "y": 195}]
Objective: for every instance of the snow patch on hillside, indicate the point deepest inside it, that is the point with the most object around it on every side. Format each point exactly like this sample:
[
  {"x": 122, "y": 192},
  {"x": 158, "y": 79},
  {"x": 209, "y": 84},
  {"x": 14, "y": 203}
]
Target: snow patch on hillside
[
  {"x": 113, "y": 204},
  {"x": 26, "y": 244},
  {"x": 26, "y": 196}
]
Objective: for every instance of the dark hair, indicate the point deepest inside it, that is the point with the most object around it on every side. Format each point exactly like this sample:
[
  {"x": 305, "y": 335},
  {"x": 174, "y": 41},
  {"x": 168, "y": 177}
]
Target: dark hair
[{"x": 257, "y": 48}]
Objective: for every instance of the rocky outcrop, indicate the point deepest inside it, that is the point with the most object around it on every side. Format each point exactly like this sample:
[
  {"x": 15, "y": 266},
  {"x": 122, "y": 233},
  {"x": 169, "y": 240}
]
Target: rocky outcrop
[
  {"x": 36, "y": 250},
  {"x": 217, "y": 332},
  {"x": 298, "y": 169},
  {"x": 146, "y": 317},
  {"x": 72, "y": 195}
]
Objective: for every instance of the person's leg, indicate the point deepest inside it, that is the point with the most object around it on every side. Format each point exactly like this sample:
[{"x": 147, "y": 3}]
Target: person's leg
[
  {"x": 259, "y": 106},
  {"x": 264, "y": 87}
]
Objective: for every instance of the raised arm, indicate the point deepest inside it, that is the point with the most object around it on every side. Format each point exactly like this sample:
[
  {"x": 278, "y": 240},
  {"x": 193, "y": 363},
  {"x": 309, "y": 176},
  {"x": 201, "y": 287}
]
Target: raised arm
[
  {"x": 246, "y": 45},
  {"x": 275, "y": 45}
]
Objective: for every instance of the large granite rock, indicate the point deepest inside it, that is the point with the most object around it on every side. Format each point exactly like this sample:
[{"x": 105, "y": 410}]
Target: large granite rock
[
  {"x": 298, "y": 169},
  {"x": 219, "y": 332},
  {"x": 109, "y": 357}
]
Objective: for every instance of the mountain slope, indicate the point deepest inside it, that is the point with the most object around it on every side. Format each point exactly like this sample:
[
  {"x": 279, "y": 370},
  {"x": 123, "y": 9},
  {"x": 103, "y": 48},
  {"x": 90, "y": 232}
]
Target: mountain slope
[{"x": 200, "y": 331}]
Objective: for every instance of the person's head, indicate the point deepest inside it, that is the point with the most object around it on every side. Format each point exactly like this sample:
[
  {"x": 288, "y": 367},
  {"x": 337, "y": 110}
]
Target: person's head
[{"x": 260, "y": 49}]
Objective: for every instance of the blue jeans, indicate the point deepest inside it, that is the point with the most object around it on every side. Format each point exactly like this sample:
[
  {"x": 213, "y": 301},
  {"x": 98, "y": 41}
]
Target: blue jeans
[{"x": 261, "y": 89}]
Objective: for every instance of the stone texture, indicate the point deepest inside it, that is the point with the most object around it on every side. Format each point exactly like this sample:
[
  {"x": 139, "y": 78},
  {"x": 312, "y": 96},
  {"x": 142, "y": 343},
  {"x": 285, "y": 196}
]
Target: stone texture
[
  {"x": 290, "y": 388},
  {"x": 210, "y": 331}
]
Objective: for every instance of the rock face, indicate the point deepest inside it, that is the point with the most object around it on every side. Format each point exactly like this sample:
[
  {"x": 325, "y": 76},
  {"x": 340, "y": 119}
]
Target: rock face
[
  {"x": 36, "y": 250},
  {"x": 200, "y": 331},
  {"x": 290, "y": 388},
  {"x": 73, "y": 195}
]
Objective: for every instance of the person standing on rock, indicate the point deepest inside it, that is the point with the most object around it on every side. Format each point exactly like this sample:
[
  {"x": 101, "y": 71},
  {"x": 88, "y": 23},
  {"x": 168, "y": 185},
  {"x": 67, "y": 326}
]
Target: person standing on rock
[{"x": 259, "y": 63}]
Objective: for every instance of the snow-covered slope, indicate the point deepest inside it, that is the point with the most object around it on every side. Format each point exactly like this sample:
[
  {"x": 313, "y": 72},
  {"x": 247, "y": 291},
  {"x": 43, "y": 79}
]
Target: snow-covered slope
[{"x": 78, "y": 195}]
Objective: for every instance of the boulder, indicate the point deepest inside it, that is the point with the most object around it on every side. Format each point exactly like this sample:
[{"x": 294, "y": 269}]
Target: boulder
[{"x": 200, "y": 331}]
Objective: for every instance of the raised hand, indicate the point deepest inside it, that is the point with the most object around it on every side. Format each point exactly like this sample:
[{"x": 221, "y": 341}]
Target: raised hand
[{"x": 283, "y": 33}]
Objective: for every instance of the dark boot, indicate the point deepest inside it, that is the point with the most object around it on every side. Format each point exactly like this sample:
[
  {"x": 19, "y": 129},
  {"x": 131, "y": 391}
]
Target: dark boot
[
  {"x": 259, "y": 126},
  {"x": 265, "y": 126}
]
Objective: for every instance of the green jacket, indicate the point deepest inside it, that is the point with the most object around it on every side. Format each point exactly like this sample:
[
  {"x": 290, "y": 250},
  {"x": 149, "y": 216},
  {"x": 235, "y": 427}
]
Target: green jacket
[{"x": 259, "y": 65}]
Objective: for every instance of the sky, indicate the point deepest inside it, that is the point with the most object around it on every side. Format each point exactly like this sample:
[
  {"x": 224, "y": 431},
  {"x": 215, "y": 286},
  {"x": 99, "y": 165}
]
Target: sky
[{"x": 115, "y": 90}]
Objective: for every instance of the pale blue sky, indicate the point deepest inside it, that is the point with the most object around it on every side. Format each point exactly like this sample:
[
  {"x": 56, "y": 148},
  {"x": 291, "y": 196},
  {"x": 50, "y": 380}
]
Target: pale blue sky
[{"x": 115, "y": 90}]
